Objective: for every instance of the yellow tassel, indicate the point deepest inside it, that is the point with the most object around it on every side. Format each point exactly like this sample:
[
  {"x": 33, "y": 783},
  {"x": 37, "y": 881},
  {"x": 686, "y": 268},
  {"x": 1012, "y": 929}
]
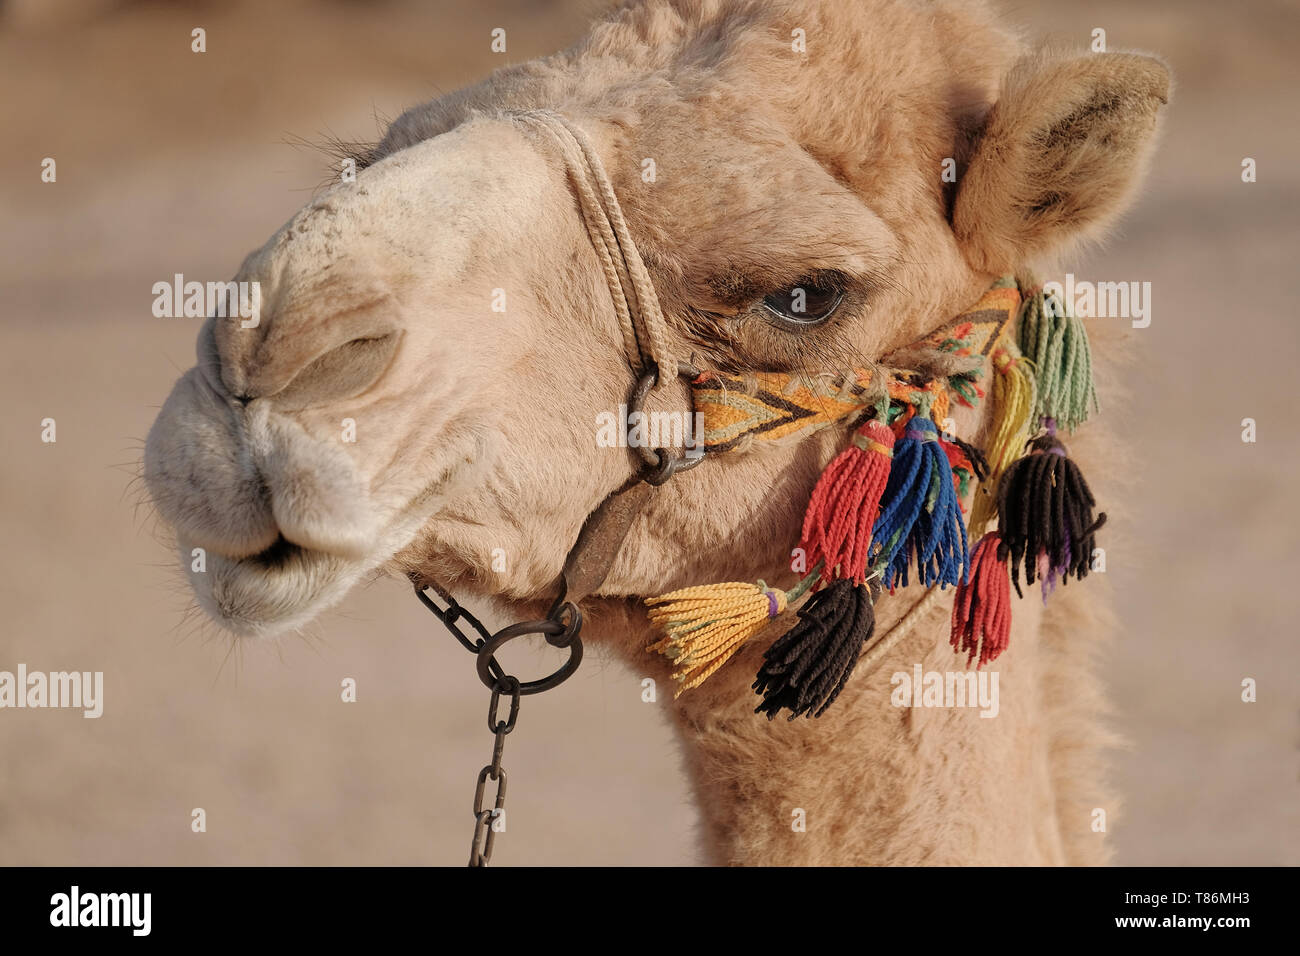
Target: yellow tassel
[
  {"x": 1013, "y": 409},
  {"x": 708, "y": 623}
]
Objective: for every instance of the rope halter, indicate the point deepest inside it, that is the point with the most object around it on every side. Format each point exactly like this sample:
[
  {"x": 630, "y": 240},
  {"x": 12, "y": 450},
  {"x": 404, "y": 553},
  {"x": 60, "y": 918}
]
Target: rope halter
[{"x": 645, "y": 331}]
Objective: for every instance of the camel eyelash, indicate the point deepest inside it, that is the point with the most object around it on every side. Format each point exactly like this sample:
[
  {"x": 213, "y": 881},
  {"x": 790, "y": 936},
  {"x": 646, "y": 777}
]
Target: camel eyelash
[{"x": 819, "y": 301}]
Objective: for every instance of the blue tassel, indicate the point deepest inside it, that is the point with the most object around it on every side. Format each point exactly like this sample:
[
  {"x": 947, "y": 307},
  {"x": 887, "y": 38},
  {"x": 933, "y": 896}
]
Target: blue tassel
[{"x": 920, "y": 516}]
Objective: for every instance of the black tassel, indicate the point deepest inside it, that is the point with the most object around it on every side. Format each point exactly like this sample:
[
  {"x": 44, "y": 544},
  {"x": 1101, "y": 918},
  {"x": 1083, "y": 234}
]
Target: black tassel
[
  {"x": 978, "y": 461},
  {"x": 805, "y": 670},
  {"x": 1045, "y": 507}
]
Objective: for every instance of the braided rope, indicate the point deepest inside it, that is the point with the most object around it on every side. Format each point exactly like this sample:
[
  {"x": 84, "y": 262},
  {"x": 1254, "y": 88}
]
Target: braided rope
[
  {"x": 904, "y": 626},
  {"x": 645, "y": 330}
]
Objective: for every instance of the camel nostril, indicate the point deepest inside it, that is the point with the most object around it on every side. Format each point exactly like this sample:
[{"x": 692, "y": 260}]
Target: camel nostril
[{"x": 343, "y": 372}]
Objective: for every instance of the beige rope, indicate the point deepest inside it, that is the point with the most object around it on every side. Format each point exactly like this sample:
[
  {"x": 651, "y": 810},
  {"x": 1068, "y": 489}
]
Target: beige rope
[
  {"x": 645, "y": 331},
  {"x": 902, "y": 627}
]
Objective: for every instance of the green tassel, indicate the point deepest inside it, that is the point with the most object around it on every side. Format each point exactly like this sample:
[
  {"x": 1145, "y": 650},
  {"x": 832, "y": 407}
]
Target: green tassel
[{"x": 1057, "y": 343}]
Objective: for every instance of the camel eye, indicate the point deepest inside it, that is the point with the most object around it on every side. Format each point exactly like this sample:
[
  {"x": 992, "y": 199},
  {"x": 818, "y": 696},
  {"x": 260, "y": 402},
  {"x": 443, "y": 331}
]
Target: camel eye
[{"x": 810, "y": 301}]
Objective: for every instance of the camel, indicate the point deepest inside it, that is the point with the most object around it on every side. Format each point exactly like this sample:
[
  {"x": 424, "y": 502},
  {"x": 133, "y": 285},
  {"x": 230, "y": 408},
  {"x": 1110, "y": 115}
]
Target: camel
[{"x": 449, "y": 309}]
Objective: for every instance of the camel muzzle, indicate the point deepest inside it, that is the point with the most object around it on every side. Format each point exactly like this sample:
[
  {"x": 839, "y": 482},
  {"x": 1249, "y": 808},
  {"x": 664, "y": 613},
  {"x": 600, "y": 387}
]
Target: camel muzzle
[{"x": 255, "y": 476}]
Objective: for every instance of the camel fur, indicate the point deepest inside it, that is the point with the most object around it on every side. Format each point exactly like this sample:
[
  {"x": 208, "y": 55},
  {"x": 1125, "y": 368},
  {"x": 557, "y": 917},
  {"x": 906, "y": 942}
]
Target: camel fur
[{"x": 449, "y": 304}]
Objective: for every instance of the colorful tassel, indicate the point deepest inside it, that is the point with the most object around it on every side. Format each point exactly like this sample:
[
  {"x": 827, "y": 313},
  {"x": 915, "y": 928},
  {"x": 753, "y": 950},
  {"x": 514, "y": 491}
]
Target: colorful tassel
[
  {"x": 981, "y": 612},
  {"x": 967, "y": 462},
  {"x": 706, "y": 624},
  {"x": 805, "y": 670},
  {"x": 837, "y": 524},
  {"x": 1045, "y": 509},
  {"x": 1014, "y": 399},
  {"x": 893, "y": 496},
  {"x": 1057, "y": 343},
  {"x": 920, "y": 516}
]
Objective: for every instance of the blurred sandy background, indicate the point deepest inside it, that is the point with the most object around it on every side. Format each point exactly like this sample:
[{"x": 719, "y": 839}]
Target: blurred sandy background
[{"x": 169, "y": 161}]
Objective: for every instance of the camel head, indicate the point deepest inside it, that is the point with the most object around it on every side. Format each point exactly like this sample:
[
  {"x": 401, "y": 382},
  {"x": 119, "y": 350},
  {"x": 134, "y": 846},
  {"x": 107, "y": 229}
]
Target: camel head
[{"x": 436, "y": 340}]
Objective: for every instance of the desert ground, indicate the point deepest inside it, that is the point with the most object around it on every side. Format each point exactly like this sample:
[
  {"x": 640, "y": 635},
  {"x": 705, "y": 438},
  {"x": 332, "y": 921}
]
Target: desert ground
[{"x": 170, "y": 161}]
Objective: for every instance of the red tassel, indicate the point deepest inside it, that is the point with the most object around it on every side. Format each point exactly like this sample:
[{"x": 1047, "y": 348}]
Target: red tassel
[
  {"x": 962, "y": 468},
  {"x": 837, "y": 524},
  {"x": 982, "y": 608}
]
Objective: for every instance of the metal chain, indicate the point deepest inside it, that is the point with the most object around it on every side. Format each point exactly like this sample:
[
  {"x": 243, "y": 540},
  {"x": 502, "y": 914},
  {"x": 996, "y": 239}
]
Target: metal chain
[
  {"x": 561, "y": 628},
  {"x": 480, "y": 848}
]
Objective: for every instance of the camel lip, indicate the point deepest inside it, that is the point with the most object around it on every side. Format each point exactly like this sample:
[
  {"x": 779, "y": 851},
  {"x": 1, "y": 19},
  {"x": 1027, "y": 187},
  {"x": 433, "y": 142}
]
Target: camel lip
[
  {"x": 279, "y": 589},
  {"x": 277, "y": 552},
  {"x": 275, "y": 555},
  {"x": 285, "y": 585}
]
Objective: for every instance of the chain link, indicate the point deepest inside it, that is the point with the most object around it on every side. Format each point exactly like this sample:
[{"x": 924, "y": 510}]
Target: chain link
[
  {"x": 561, "y": 629},
  {"x": 485, "y": 830}
]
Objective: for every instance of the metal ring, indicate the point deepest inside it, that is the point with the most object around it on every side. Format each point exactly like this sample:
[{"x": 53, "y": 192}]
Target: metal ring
[
  {"x": 660, "y": 465},
  {"x": 634, "y": 402},
  {"x": 571, "y": 629},
  {"x": 667, "y": 465},
  {"x": 506, "y": 634}
]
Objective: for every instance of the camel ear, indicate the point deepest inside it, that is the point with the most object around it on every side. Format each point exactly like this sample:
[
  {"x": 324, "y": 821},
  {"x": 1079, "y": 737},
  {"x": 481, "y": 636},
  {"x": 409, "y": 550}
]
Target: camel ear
[{"x": 1059, "y": 157}]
